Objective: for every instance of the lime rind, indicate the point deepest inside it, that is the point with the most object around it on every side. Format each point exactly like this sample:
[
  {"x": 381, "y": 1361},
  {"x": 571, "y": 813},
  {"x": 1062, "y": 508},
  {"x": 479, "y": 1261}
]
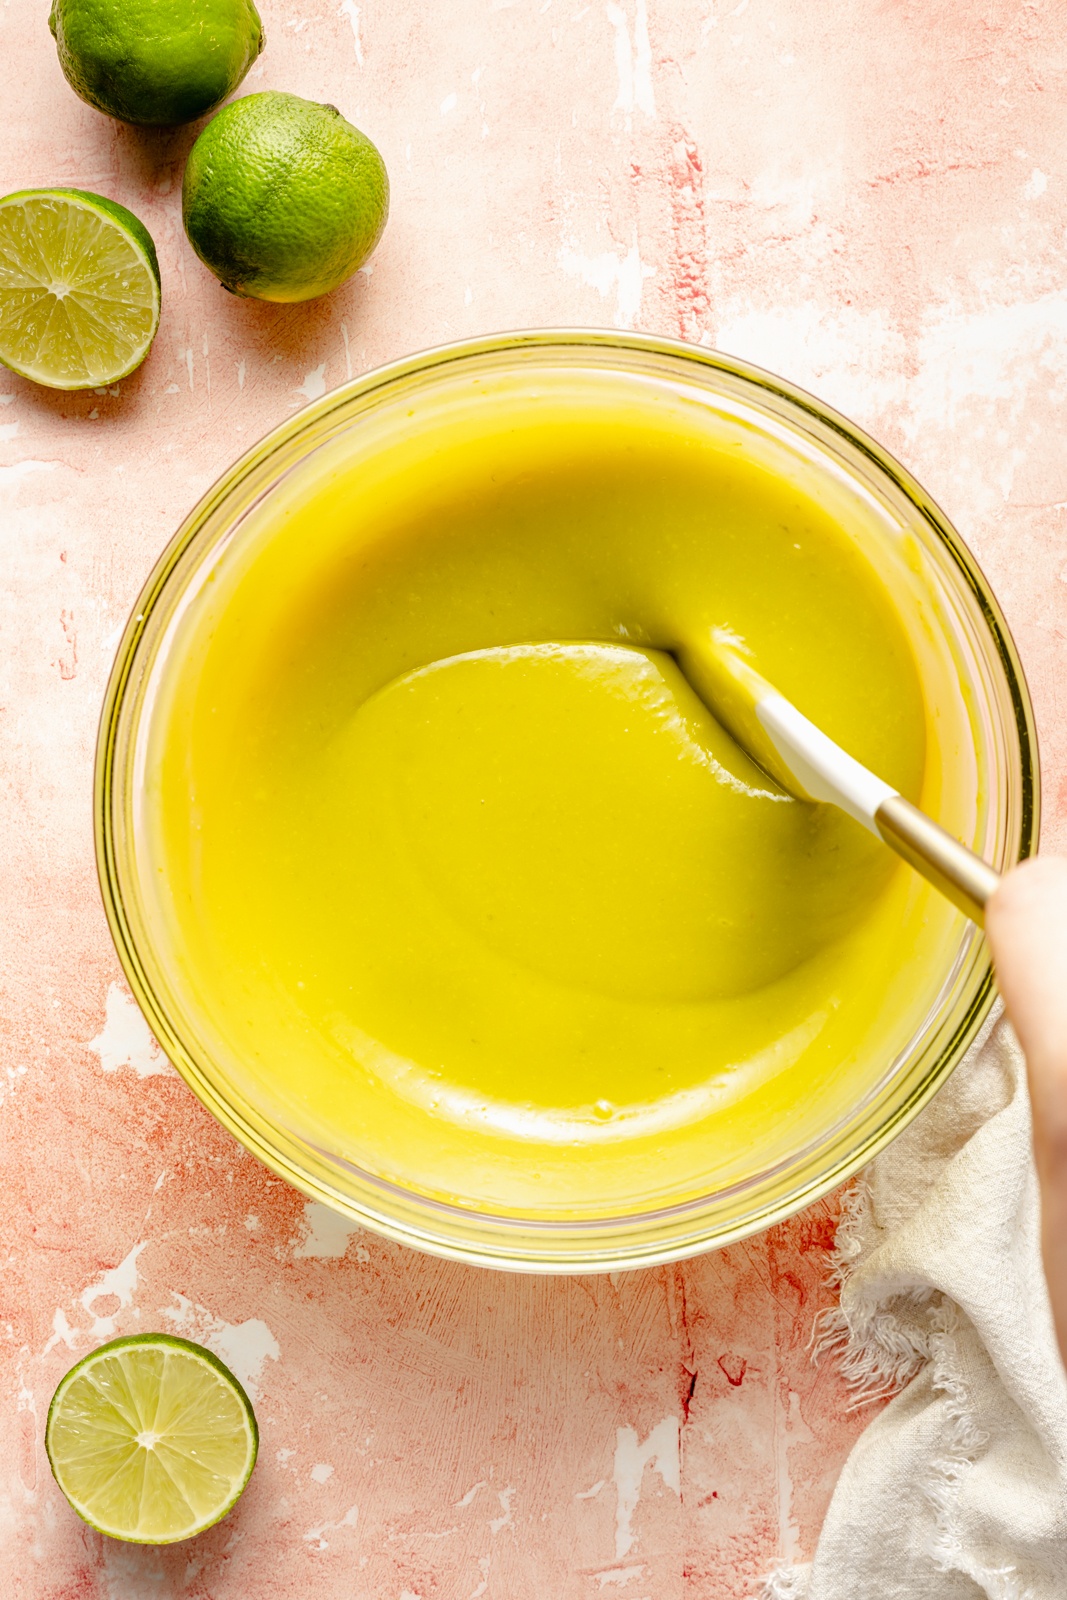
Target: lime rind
[
  {"x": 283, "y": 199},
  {"x": 79, "y": 288},
  {"x": 151, "y": 1438},
  {"x": 155, "y": 63}
]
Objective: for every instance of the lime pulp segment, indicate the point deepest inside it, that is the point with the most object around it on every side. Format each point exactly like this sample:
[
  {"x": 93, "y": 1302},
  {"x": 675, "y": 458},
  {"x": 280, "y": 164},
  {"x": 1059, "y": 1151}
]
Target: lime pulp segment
[
  {"x": 79, "y": 288},
  {"x": 151, "y": 1439}
]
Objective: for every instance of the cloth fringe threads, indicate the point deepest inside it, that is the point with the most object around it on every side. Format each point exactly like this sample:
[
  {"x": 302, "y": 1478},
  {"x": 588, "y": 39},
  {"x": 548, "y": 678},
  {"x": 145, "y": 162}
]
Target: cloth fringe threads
[
  {"x": 877, "y": 1357},
  {"x": 788, "y": 1583},
  {"x": 958, "y": 1486},
  {"x": 876, "y": 1354}
]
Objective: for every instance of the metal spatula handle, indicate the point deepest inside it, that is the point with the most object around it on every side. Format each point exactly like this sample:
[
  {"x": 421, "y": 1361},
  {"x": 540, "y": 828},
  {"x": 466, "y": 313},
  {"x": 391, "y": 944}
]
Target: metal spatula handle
[{"x": 960, "y": 875}]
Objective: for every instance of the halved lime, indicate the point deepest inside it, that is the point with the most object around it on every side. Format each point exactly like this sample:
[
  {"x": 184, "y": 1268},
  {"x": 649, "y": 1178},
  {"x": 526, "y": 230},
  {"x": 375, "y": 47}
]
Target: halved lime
[
  {"x": 79, "y": 288},
  {"x": 151, "y": 1439}
]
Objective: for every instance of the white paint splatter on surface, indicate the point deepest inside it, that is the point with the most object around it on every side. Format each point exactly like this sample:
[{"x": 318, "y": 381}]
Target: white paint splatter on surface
[
  {"x": 316, "y": 1537},
  {"x": 62, "y": 1333},
  {"x": 468, "y": 1498},
  {"x": 244, "y": 1346},
  {"x": 789, "y": 1429},
  {"x": 633, "y": 60},
  {"x": 350, "y": 10},
  {"x": 11, "y": 475},
  {"x": 660, "y": 1451},
  {"x": 126, "y": 1041},
  {"x": 497, "y": 1524},
  {"x": 326, "y": 1233},
  {"x": 968, "y": 370},
  {"x": 131, "y": 1571},
  {"x": 607, "y": 272},
  {"x": 987, "y": 355},
  {"x": 119, "y": 1283},
  {"x": 480, "y": 1588},
  {"x": 856, "y": 359},
  {"x": 314, "y": 384},
  {"x": 995, "y": 370}
]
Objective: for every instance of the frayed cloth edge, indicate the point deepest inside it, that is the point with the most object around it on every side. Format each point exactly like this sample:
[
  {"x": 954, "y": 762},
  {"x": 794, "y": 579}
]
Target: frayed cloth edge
[
  {"x": 786, "y": 1583},
  {"x": 876, "y": 1356}
]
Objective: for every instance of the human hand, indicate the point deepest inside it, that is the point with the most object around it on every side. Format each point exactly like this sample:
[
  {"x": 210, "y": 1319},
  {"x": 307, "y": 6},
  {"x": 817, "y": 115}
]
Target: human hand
[{"x": 1026, "y": 924}]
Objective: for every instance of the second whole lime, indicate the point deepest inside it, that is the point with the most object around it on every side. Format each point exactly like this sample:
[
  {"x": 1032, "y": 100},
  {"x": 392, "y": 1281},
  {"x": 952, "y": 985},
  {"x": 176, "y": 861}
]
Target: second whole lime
[
  {"x": 283, "y": 199},
  {"x": 155, "y": 63}
]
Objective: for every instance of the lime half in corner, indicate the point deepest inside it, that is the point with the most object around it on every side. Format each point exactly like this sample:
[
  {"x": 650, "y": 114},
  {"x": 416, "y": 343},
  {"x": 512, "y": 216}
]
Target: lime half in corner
[
  {"x": 79, "y": 288},
  {"x": 151, "y": 1439}
]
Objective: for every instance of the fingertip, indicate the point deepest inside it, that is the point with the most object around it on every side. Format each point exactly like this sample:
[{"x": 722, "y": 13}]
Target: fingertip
[{"x": 1033, "y": 887}]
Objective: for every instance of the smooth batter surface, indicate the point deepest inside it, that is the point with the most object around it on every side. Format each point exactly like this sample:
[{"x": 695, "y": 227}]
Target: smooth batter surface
[{"x": 458, "y": 872}]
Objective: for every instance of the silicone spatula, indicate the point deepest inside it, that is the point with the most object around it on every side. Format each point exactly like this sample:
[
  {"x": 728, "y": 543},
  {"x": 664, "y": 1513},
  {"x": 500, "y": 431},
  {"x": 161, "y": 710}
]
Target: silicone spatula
[{"x": 810, "y": 766}]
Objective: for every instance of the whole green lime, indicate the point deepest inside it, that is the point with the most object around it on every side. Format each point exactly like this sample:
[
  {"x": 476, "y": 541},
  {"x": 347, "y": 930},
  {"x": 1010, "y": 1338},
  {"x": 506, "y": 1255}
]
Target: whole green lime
[
  {"x": 283, "y": 199},
  {"x": 155, "y": 62}
]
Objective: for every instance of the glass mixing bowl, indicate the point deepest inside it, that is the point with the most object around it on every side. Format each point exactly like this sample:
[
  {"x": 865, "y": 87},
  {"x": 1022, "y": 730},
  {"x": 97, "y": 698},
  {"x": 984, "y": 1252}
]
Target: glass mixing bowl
[{"x": 986, "y": 792}]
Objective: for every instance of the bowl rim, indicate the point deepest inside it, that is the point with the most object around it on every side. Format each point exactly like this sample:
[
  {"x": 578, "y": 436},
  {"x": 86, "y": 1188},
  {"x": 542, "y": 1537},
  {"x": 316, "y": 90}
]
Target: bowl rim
[{"x": 495, "y": 1245}]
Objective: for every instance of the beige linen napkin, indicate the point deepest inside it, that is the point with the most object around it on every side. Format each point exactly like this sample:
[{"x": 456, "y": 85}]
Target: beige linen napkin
[{"x": 958, "y": 1488}]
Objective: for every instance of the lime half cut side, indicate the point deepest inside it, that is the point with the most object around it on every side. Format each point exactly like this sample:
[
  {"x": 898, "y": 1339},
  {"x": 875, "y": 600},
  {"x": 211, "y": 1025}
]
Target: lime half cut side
[
  {"x": 79, "y": 288},
  {"x": 151, "y": 1439}
]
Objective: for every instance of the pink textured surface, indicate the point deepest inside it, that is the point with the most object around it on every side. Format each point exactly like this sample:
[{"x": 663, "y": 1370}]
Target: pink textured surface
[{"x": 866, "y": 195}]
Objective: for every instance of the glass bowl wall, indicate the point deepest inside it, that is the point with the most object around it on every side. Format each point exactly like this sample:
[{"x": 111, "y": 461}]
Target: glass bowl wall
[{"x": 996, "y": 808}]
